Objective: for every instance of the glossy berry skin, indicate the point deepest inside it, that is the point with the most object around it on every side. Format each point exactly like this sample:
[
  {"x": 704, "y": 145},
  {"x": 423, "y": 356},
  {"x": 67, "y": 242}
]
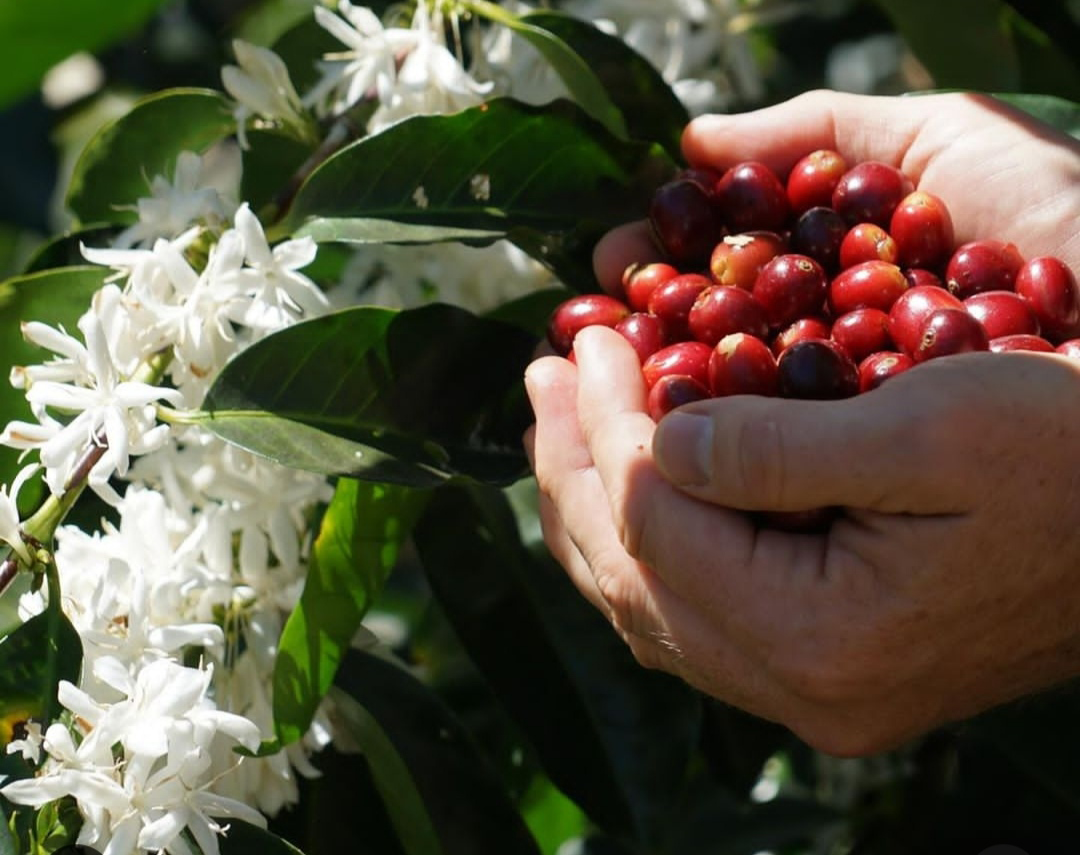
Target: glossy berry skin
[
  {"x": 1002, "y": 313},
  {"x": 640, "y": 280},
  {"x": 684, "y": 357},
  {"x": 572, "y": 316},
  {"x": 866, "y": 242},
  {"x": 910, "y": 311},
  {"x": 862, "y": 332},
  {"x": 737, "y": 259},
  {"x": 645, "y": 332},
  {"x": 817, "y": 370},
  {"x": 870, "y": 284},
  {"x": 878, "y": 367},
  {"x": 671, "y": 302},
  {"x": 703, "y": 175},
  {"x": 813, "y": 178},
  {"x": 916, "y": 276},
  {"x": 1020, "y": 341},
  {"x": 947, "y": 332},
  {"x": 801, "y": 330},
  {"x": 982, "y": 265},
  {"x": 742, "y": 365},
  {"x": 721, "y": 310},
  {"x": 671, "y": 391},
  {"x": 922, "y": 228},
  {"x": 818, "y": 233},
  {"x": 869, "y": 193},
  {"x": 1069, "y": 348},
  {"x": 750, "y": 197},
  {"x": 1050, "y": 288},
  {"x": 791, "y": 286},
  {"x": 684, "y": 222}
]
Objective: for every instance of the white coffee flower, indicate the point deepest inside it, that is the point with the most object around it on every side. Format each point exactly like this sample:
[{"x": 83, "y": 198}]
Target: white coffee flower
[
  {"x": 29, "y": 746},
  {"x": 261, "y": 85},
  {"x": 10, "y": 526}
]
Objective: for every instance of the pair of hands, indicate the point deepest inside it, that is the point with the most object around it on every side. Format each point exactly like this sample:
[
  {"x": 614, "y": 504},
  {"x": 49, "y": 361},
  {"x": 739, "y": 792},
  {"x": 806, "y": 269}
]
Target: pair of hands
[{"x": 952, "y": 581}]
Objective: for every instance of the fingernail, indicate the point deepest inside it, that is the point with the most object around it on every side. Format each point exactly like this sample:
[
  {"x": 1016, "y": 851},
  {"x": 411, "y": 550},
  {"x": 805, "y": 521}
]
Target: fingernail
[{"x": 682, "y": 448}]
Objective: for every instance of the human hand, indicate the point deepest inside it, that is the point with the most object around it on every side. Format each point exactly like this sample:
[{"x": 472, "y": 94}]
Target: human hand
[{"x": 947, "y": 587}]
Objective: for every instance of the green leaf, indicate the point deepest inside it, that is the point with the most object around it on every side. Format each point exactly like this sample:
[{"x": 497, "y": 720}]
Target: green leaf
[
  {"x": 442, "y": 795},
  {"x": 8, "y": 845},
  {"x": 354, "y": 552},
  {"x": 411, "y": 397},
  {"x": 614, "y": 737},
  {"x": 36, "y": 36},
  {"x": 1058, "y": 112},
  {"x": 243, "y": 838},
  {"x": 648, "y": 105},
  {"x": 117, "y": 165}
]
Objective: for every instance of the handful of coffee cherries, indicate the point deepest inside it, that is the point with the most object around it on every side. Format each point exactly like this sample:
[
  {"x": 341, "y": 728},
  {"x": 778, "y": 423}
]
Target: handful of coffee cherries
[{"x": 822, "y": 286}]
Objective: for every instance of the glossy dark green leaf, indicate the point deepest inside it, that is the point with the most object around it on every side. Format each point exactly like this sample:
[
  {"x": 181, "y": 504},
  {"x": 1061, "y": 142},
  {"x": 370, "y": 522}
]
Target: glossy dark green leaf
[
  {"x": 1046, "y": 47},
  {"x": 243, "y": 838},
  {"x": 648, "y": 105},
  {"x": 8, "y": 844},
  {"x": 532, "y": 311},
  {"x": 617, "y": 739},
  {"x": 66, "y": 250},
  {"x": 1058, "y": 112},
  {"x": 271, "y": 164},
  {"x": 410, "y": 397},
  {"x": 116, "y": 166},
  {"x": 354, "y": 551},
  {"x": 442, "y": 795}
]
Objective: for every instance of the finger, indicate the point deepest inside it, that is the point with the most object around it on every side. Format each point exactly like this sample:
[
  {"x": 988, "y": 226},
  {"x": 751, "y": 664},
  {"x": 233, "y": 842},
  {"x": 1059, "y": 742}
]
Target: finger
[{"x": 624, "y": 245}]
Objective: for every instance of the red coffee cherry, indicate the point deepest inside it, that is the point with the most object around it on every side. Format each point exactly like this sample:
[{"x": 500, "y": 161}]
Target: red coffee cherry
[
  {"x": 923, "y": 230},
  {"x": 684, "y": 222},
  {"x": 869, "y": 193},
  {"x": 671, "y": 302},
  {"x": 738, "y": 259},
  {"x": 866, "y": 242},
  {"x": 801, "y": 330},
  {"x": 910, "y": 311},
  {"x": 749, "y": 197},
  {"x": 1020, "y": 341},
  {"x": 1069, "y": 348},
  {"x": 817, "y": 370},
  {"x": 640, "y": 280},
  {"x": 879, "y": 367},
  {"x": 671, "y": 391},
  {"x": 684, "y": 357},
  {"x": 742, "y": 364},
  {"x": 947, "y": 332},
  {"x": 870, "y": 284},
  {"x": 572, "y": 316},
  {"x": 645, "y": 333},
  {"x": 790, "y": 287},
  {"x": 1002, "y": 313},
  {"x": 1049, "y": 287},
  {"x": 982, "y": 265},
  {"x": 862, "y": 332},
  {"x": 813, "y": 178},
  {"x": 818, "y": 233},
  {"x": 703, "y": 175},
  {"x": 921, "y": 276},
  {"x": 721, "y": 310}
]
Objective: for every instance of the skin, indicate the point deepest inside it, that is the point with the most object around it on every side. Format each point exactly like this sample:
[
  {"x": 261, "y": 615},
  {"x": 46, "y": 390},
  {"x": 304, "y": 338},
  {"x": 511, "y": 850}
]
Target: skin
[{"x": 949, "y": 585}]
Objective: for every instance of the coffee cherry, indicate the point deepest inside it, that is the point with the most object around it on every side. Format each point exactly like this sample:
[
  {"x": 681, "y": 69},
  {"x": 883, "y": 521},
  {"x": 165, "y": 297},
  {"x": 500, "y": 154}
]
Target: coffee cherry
[
  {"x": 817, "y": 369},
  {"x": 742, "y": 364},
  {"x": 684, "y": 222},
  {"x": 910, "y": 311},
  {"x": 921, "y": 276},
  {"x": 879, "y": 367},
  {"x": 573, "y": 315},
  {"x": 790, "y": 287},
  {"x": 866, "y": 242},
  {"x": 1069, "y": 348},
  {"x": 862, "y": 332},
  {"x": 818, "y": 233},
  {"x": 813, "y": 178},
  {"x": 947, "y": 332},
  {"x": 870, "y": 284},
  {"x": 982, "y": 265},
  {"x": 645, "y": 333},
  {"x": 869, "y": 193},
  {"x": 738, "y": 259},
  {"x": 671, "y": 391},
  {"x": 671, "y": 302},
  {"x": 721, "y": 310},
  {"x": 703, "y": 175},
  {"x": 1002, "y": 313},
  {"x": 1049, "y": 287},
  {"x": 750, "y": 197},
  {"x": 683, "y": 357},
  {"x": 640, "y": 280},
  {"x": 922, "y": 228},
  {"x": 801, "y": 330},
  {"x": 1020, "y": 341}
]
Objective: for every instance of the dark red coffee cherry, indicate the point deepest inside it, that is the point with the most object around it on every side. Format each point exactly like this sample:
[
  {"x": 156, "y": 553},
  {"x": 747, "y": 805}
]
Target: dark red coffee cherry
[
  {"x": 869, "y": 284},
  {"x": 916, "y": 276},
  {"x": 790, "y": 287},
  {"x": 1002, "y": 313},
  {"x": 737, "y": 259},
  {"x": 684, "y": 222},
  {"x": 721, "y": 310},
  {"x": 818, "y": 233},
  {"x": 703, "y": 175},
  {"x": 910, "y": 311},
  {"x": 813, "y": 178},
  {"x": 818, "y": 370},
  {"x": 869, "y": 193},
  {"x": 982, "y": 265},
  {"x": 947, "y": 332},
  {"x": 572, "y": 316},
  {"x": 671, "y": 302},
  {"x": 861, "y": 332},
  {"x": 640, "y": 280},
  {"x": 684, "y": 357},
  {"x": 1020, "y": 341},
  {"x": 879, "y": 367},
  {"x": 866, "y": 242},
  {"x": 645, "y": 333},
  {"x": 742, "y": 365},
  {"x": 801, "y": 330},
  {"x": 671, "y": 391},
  {"x": 922, "y": 228},
  {"x": 750, "y": 197},
  {"x": 1049, "y": 287}
]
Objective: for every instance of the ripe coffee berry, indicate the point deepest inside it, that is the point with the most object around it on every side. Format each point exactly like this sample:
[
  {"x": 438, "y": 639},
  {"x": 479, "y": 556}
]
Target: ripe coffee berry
[
  {"x": 1049, "y": 287},
  {"x": 879, "y": 367},
  {"x": 813, "y": 179},
  {"x": 742, "y": 365},
  {"x": 949, "y": 331},
  {"x": 721, "y": 310},
  {"x": 982, "y": 265},
  {"x": 684, "y": 221},
  {"x": 749, "y": 196},
  {"x": 922, "y": 230},
  {"x": 672, "y": 301},
  {"x": 671, "y": 391},
  {"x": 738, "y": 259},
  {"x": 645, "y": 332},
  {"x": 789, "y": 287},
  {"x": 817, "y": 369},
  {"x": 867, "y": 242},
  {"x": 585, "y": 310},
  {"x": 819, "y": 233},
  {"x": 640, "y": 280},
  {"x": 684, "y": 357},
  {"x": 869, "y": 193}
]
